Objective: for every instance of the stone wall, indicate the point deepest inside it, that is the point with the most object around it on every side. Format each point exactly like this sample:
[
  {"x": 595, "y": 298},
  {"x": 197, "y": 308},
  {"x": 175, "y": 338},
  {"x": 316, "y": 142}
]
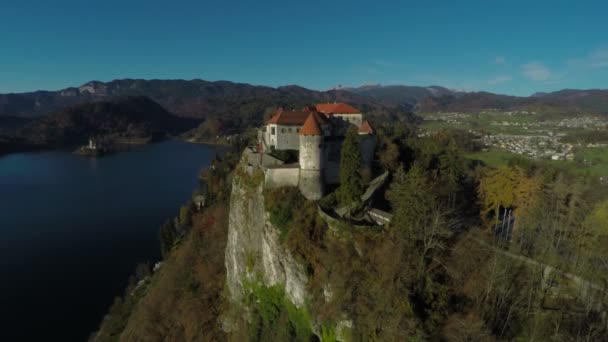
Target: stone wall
[
  {"x": 276, "y": 177},
  {"x": 288, "y": 137},
  {"x": 311, "y": 152},
  {"x": 311, "y": 184},
  {"x": 252, "y": 157}
]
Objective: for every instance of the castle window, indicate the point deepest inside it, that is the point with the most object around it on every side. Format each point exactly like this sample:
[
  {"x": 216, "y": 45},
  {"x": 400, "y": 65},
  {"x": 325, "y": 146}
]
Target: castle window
[
  {"x": 272, "y": 131},
  {"x": 289, "y": 129},
  {"x": 297, "y": 130},
  {"x": 282, "y": 130}
]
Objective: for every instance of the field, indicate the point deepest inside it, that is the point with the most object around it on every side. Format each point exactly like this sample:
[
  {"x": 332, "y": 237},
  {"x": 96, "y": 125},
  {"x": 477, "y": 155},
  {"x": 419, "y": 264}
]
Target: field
[
  {"x": 595, "y": 160},
  {"x": 493, "y": 157},
  {"x": 586, "y": 160},
  {"x": 485, "y": 123}
]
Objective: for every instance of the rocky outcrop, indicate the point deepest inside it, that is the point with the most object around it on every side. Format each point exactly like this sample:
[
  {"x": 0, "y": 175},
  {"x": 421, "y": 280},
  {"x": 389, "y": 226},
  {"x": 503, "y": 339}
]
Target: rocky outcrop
[{"x": 254, "y": 252}]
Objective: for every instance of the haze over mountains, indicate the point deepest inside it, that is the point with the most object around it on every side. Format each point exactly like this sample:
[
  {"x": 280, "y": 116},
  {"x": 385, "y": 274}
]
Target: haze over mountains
[{"x": 238, "y": 101}]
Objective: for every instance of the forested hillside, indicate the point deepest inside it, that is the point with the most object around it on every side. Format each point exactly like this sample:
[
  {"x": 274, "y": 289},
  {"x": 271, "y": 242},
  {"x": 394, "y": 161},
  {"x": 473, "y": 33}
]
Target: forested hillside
[
  {"x": 473, "y": 253},
  {"x": 239, "y": 103},
  {"x": 126, "y": 117}
]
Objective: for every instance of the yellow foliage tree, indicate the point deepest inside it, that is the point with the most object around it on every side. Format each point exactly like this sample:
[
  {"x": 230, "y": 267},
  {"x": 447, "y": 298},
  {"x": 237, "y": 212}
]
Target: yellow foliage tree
[
  {"x": 507, "y": 187},
  {"x": 596, "y": 225}
]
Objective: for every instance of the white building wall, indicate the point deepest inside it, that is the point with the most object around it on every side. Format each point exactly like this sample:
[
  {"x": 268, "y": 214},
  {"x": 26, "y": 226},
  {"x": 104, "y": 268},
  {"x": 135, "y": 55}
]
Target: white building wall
[
  {"x": 271, "y": 134},
  {"x": 355, "y": 119},
  {"x": 287, "y": 137}
]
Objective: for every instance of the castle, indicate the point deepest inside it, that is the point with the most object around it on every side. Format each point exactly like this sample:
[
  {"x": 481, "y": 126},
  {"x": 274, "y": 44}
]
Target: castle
[{"x": 316, "y": 133}]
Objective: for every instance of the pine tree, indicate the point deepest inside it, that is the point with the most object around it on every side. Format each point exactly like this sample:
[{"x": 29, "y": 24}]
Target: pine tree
[
  {"x": 351, "y": 185},
  {"x": 411, "y": 199}
]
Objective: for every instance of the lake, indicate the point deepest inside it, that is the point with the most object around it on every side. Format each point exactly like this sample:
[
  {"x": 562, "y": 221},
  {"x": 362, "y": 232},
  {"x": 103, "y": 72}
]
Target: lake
[{"x": 72, "y": 230}]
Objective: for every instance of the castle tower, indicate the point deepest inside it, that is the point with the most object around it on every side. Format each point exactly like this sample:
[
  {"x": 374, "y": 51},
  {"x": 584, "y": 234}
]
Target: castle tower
[
  {"x": 367, "y": 143},
  {"x": 312, "y": 153}
]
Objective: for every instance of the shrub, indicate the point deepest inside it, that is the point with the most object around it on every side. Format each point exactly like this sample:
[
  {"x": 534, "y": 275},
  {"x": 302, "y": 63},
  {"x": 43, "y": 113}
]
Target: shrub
[
  {"x": 328, "y": 333},
  {"x": 329, "y": 201},
  {"x": 281, "y": 204},
  {"x": 281, "y": 319}
]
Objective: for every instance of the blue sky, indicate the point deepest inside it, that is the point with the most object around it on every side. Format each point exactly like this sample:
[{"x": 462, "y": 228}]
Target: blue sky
[{"x": 511, "y": 47}]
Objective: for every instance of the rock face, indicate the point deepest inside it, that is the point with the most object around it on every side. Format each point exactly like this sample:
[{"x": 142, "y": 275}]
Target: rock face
[{"x": 254, "y": 252}]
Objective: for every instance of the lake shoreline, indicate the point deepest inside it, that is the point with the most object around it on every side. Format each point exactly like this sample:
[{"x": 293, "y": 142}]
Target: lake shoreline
[
  {"x": 124, "y": 147},
  {"x": 76, "y": 227}
]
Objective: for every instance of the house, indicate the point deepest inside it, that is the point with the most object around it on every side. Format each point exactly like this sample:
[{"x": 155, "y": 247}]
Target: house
[{"x": 316, "y": 133}]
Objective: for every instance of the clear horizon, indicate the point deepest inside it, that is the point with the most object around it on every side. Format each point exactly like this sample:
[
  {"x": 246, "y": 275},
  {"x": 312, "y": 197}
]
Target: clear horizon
[
  {"x": 514, "y": 49},
  {"x": 283, "y": 85}
]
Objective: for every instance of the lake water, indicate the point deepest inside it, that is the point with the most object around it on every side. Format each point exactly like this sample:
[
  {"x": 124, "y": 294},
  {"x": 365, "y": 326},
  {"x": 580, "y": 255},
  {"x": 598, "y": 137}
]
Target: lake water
[{"x": 72, "y": 230}]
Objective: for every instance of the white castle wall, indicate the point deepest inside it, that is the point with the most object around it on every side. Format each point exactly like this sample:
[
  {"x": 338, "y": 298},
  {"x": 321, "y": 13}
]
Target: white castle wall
[
  {"x": 319, "y": 156},
  {"x": 311, "y": 152},
  {"x": 311, "y": 184},
  {"x": 286, "y": 137},
  {"x": 278, "y": 177},
  {"x": 312, "y": 160}
]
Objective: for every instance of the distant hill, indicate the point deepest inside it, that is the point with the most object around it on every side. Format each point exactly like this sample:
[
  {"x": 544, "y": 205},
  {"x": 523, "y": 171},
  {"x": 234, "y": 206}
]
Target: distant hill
[
  {"x": 243, "y": 104},
  {"x": 563, "y": 102},
  {"x": 475, "y": 101},
  {"x": 400, "y": 95},
  {"x": 439, "y": 99},
  {"x": 240, "y": 105},
  {"x": 129, "y": 117}
]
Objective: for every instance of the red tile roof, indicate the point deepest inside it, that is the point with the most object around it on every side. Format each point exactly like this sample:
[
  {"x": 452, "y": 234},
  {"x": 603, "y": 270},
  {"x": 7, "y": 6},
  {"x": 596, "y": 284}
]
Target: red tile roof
[
  {"x": 366, "y": 128},
  {"x": 321, "y": 119},
  {"x": 312, "y": 126},
  {"x": 289, "y": 117},
  {"x": 337, "y": 108}
]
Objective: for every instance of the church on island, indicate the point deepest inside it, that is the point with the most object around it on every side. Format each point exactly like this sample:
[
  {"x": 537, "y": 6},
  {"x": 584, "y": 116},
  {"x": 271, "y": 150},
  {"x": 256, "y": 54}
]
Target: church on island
[{"x": 301, "y": 148}]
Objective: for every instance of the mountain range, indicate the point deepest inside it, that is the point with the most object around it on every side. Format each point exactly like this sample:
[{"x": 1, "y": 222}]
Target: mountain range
[
  {"x": 193, "y": 99},
  {"x": 441, "y": 99},
  {"x": 245, "y": 104}
]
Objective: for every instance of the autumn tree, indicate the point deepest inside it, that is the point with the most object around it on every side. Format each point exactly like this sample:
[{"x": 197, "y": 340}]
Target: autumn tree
[
  {"x": 424, "y": 229},
  {"x": 592, "y": 239},
  {"x": 506, "y": 188}
]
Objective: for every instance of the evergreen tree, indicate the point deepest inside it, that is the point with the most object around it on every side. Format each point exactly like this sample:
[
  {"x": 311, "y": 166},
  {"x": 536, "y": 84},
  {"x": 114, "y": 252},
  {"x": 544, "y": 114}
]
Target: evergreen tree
[
  {"x": 351, "y": 185},
  {"x": 411, "y": 199}
]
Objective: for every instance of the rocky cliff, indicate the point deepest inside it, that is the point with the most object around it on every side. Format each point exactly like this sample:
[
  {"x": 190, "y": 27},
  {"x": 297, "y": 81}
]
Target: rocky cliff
[
  {"x": 263, "y": 272},
  {"x": 254, "y": 252}
]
